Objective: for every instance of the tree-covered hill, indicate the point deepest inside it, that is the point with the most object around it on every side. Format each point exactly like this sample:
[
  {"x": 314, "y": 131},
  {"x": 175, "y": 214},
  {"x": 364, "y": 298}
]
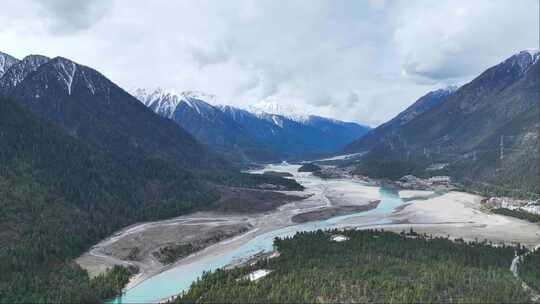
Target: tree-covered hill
[
  {"x": 59, "y": 196},
  {"x": 486, "y": 133},
  {"x": 369, "y": 267},
  {"x": 92, "y": 108},
  {"x": 529, "y": 269}
]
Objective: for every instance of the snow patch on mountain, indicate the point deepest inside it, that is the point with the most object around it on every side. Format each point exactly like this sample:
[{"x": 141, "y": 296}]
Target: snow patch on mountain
[
  {"x": 18, "y": 71},
  {"x": 165, "y": 102},
  {"x": 88, "y": 83},
  {"x": 233, "y": 112},
  {"x": 6, "y": 61},
  {"x": 199, "y": 101},
  {"x": 524, "y": 59},
  {"x": 66, "y": 70},
  {"x": 162, "y": 102},
  {"x": 263, "y": 107},
  {"x": 534, "y": 53},
  {"x": 277, "y": 121}
]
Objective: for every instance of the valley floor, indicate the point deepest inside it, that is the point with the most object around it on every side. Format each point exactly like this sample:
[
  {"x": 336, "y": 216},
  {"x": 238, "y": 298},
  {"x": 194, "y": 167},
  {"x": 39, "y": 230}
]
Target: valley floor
[
  {"x": 461, "y": 215},
  {"x": 135, "y": 245},
  {"x": 453, "y": 214}
]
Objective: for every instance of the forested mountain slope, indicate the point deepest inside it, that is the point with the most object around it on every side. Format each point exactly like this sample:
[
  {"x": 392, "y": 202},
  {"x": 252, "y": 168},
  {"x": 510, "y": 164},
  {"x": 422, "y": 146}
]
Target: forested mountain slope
[
  {"x": 388, "y": 129},
  {"x": 79, "y": 159},
  {"x": 485, "y": 133},
  {"x": 208, "y": 124},
  {"x": 92, "y": 108},
  {"x": 59, "y": 196}
]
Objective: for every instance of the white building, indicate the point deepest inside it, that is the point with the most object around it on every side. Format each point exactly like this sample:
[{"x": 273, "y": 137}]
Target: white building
[
  {"x": 339, "y": 238},
  {"x": 258, "y": 274},
  {"x": 440, "y": 179}
]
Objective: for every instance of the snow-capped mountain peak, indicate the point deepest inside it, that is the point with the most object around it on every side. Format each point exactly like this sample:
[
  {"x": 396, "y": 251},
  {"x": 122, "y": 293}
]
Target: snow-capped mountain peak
[
  {"x": 534, "y": 53},
  {"x": 208, "y": 98},
  {"x": 443, "y": 91},
  {"x": 265, "y": 107},
  {"x": 524, "y": 59},
  {"x": 161, "y": 101},
  {"x": 165, "y": 102}
]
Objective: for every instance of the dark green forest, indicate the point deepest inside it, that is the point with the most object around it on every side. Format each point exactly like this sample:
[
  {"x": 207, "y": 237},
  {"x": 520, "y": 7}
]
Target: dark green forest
[
  {"x": 371, "y": 267},
  {"x": 59, "y": 196},
  {"x": 486, "y": 133},
  {"x": 310, "y": 167},
  {"x": 529, "y": 269},
  {"x": 111, "y": 283},
  {"x": 468, "y": 174},
  {"x": 533, "y": 218}
]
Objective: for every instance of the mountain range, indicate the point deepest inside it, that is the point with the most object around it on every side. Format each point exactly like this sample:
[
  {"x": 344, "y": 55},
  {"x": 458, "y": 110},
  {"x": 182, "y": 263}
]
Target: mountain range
[
  {"x": 90, "y": 107},
  {"x": 254, "y": 135},
  {"x": 484, "y": 133},
  {"x": 81, "y": 158}
]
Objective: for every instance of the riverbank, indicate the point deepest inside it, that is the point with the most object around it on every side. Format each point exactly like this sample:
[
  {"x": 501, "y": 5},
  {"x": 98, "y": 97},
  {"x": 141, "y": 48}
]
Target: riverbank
[
  {"x": 368, "y": 266},
  {"x": 441, "y": 211},
  {"x": 139, "y": 245},
  {"x": 453, "y": 214},
  {"x": 461, "y": 215},
  {"x": 326, "y": 213}
]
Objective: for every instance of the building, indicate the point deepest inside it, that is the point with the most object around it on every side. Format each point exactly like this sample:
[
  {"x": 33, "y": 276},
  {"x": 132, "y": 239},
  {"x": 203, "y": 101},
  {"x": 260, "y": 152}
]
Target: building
[
  {"x": 339, "y": 238},
  {"x": 440, "y": 179}
]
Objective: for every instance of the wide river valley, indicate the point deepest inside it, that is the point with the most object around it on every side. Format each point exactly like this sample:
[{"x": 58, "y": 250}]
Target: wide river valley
[{"x": 179, "y": 278}]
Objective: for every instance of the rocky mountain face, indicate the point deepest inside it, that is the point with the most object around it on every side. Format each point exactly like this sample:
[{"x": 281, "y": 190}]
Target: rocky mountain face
[
  {"x": 245, "y": 136},
  {"x": 293, "y": 137},
  {"x": 93, "y": 109},
  {"x": 209, "y": 124},
  {"x": 6, "y": 61},
  {"x": 18, "y": 71},
  {"x": 485, "y": 132}
]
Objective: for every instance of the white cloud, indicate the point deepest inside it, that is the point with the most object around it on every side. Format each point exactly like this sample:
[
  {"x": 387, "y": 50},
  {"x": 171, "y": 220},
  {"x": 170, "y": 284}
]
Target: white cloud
[
  {"x": 353, "y": 60},
  {"x": 447, "y": 39}
]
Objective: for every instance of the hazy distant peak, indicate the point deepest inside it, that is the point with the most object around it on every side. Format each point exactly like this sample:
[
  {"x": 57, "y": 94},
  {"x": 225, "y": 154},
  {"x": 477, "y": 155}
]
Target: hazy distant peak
[
  {"x": 209, "y": 98},
  {"x": 272, "y": 107},
  {"x": 443, "y": 91}
]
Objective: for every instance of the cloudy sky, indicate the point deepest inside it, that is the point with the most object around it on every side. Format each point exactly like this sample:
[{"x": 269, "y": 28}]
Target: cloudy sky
[{"x": 355, "y": 60}]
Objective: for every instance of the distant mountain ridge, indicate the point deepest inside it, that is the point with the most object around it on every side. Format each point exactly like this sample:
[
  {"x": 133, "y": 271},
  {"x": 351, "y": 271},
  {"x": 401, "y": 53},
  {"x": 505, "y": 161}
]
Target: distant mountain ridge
[
  {"x": 265, "y": 107},
  {"x": 59, "y": 196},
  {"x": 486, "y": 131},
  {"x": 389, "y": 128},
  {"x": 246, "y": 136}
]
